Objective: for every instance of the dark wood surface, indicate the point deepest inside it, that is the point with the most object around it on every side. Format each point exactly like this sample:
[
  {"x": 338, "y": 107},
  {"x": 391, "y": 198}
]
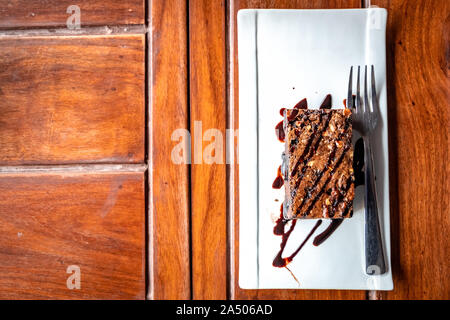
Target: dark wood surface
[
  {"x": 237, "y": 292},
  {"x": 418, "y": 63},
  {"x": 207, "y": 64},
  {"x": 81, "y": 99},
  {"x": 72, "y": 100},
  {"x": 50, "y": 221},
  {"x": 169, "y": 182},
  {"x": 53, "y": 13}
]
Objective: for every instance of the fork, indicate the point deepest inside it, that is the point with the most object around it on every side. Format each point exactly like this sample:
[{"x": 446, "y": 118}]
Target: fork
[{"x": 365, "y": 121}]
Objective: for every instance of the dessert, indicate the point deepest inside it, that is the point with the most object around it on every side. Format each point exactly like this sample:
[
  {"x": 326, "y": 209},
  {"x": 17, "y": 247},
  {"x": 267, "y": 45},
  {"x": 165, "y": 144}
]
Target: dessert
[{"x": 318, "y": 163}]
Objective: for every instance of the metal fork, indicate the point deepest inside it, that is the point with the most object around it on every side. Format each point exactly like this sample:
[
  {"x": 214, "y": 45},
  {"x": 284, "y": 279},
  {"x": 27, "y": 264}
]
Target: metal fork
[{"x": 365, "y": 120}]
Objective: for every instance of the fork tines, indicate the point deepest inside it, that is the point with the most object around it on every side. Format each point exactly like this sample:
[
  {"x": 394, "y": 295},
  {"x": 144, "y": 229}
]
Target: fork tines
[{"x": 355, "y": 103}]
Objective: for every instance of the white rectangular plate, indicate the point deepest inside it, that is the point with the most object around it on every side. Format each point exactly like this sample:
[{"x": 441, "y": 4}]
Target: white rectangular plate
[{"x": 284, "y": 56}]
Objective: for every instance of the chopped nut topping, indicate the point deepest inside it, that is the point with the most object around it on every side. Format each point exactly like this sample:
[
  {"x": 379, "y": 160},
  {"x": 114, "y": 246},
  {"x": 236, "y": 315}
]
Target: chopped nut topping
[{"x": 319, "y": 172}]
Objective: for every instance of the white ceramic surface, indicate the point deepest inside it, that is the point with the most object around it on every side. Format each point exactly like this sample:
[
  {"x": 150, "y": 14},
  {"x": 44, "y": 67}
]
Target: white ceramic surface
[{"x": 284, "y": 56}]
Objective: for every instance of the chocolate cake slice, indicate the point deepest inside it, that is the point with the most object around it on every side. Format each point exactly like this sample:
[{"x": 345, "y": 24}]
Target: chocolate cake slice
[{"x": 318, "y": 164}]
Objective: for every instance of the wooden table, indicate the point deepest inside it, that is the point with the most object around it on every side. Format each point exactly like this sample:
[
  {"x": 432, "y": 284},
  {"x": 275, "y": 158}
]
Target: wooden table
[{"x": 86, "y": 177}]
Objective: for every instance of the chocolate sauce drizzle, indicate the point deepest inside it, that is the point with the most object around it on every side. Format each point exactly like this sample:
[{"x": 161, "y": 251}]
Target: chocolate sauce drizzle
[
  {"x": 279, "y": 181},
  {"x": 340, "y": 197},
  {"x": 326, "y": 104},
  {"x": 279, "y": 131},
  {"x": 336, "y": 166},
  {"x": 319, "y": 239},
  {"x": 302, "y": 104},
  {"x": 278, "y": 230},
  {"x": 281, "y": 262}
]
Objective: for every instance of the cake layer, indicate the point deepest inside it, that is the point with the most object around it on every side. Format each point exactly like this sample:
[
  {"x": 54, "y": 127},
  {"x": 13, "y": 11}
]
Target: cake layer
[{"x": 318, "y": 165}]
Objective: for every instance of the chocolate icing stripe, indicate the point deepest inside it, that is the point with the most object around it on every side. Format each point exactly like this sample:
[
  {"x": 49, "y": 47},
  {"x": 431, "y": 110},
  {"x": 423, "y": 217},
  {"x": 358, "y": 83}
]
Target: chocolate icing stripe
[
  {"x": 319, "y": 177},
  {"x": 337, "y": 164},
  {"x": 341, "y": 196},
  {"x": 313, "y": 150},
  {"x": 348, "y": 208},
  {"x": 301, "y": 126}
]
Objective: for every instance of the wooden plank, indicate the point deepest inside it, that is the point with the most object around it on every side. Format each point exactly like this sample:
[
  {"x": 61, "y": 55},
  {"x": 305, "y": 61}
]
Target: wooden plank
[
  {"x": 51, "y": 221},
  {"x": 418, "y": 97},
  {"x": 53, "y": 13},
  {"x": 236, "y": 292},
  {"x": 208, "y": 184},
  {"x": 72, "y": 100},
  {"x": 169, "y": 181}
]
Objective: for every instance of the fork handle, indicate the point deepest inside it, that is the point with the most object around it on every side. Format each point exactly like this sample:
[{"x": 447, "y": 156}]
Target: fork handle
[{"x": 375, "y": 262}]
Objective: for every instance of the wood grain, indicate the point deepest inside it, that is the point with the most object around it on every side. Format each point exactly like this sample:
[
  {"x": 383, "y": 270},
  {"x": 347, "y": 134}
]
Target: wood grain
[
  {"x": 169, "y": 182},
  {"x": 53, "y": 13},
  {"x": 418, "y": 98},
  {"x": 236, "y": 292},
  {"x": 208, "y": 181},
  {"x": 72, "y": 100},
  {"x": 50, "y": 221}
]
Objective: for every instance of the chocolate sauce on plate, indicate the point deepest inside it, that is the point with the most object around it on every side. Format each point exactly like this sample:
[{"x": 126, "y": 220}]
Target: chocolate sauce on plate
[
  {"x": 279, "y": 181},
  {"x": 302, "y": 104},
  {"x": 319, "y": 239},
  {"x": 326, "y": 104},
  {"x": 281, "y": 262},
  {"x": 279, "y": 131}
]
